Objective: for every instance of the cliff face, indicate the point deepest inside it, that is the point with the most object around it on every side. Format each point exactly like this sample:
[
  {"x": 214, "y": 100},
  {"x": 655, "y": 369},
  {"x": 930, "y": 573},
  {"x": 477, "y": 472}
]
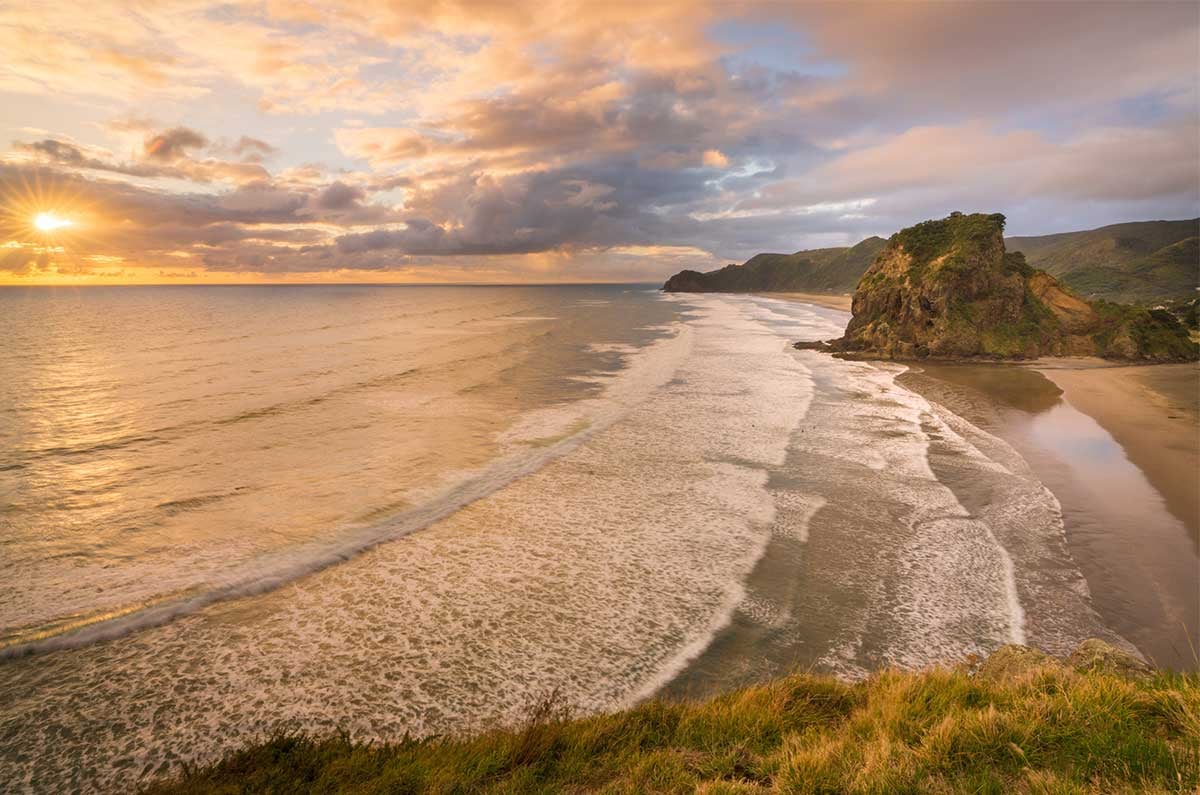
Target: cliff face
[
  {"x": 836, "y": 269},
  {"x": 948, "y": 289}
]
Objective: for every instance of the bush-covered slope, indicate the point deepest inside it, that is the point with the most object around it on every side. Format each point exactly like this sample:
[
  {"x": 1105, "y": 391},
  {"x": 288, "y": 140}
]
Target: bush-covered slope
[
  {"x": 1145, "y": 262},
  {"x": 1140, "y": 262},
  {"x": 1017, "y": 722},
  {"x": 949, "y": 289},
  {"x": 826, "y": 269}
]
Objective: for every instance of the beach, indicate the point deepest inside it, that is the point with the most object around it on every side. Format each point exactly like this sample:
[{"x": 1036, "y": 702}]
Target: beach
[
  {"x": 607, "y": 492},
  {"x": 839, "y": 301},
  {"x": 1154, "y": 414},
  {"x": 1118, "y": 448}
]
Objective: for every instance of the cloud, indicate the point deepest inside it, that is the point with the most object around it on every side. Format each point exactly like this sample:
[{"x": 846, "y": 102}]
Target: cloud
[
  {"x": 55, "y": 151},
  {"x": 119, "y": 220},
  {"x": 382, "y": 145},
  {"x": 1104, "y": 164},
  {"x": 994, "y": 57},
  {"x": 338, "y": 196},
  {"x": 164, "y": 155},
  {"x": 173, "y": 144},
  {"x": 253, "y": 150},
  {"x": 457, "y": 135}
]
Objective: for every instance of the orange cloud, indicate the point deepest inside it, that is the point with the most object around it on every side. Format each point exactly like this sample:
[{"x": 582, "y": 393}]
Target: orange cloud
[{"x": 388, "y": 136}]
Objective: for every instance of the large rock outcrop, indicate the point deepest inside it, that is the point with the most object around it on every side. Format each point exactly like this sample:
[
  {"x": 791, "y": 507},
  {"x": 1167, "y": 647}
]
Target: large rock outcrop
[{"x": 947, "y": 289}]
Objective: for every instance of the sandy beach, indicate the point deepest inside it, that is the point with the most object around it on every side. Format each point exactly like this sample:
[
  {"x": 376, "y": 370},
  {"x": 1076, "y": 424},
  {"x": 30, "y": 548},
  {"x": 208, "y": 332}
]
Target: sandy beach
[
  {"x": 1119, "y": 447},
  {"x": 832, "y": 300},
  {"x": 1153, "y": 412}
]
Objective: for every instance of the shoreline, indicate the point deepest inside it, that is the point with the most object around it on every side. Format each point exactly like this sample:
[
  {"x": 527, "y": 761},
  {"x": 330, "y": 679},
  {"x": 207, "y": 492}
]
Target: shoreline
[
  {"x": 1118, "y": 447},
  {"x": 839, "y": 301},
  {"x": 1153, "y": 412}
]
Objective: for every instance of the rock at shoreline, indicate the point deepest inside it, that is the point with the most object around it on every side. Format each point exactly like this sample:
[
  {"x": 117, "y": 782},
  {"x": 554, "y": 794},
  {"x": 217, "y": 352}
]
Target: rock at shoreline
[
  {"x": 1092, "y": 655},
  {"x": 947, "y": 289},
  {"x": 1011, "y": 660},
  {"x": 1096, "y": 655}
]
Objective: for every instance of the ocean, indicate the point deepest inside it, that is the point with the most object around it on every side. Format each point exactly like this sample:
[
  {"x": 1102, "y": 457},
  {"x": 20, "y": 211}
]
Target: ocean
[{"x": 417, "y": 510}]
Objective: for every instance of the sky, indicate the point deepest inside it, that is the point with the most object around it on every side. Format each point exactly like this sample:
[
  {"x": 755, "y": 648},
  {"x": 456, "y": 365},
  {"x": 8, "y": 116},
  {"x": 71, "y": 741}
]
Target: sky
[{"x": 186, "y": 141}]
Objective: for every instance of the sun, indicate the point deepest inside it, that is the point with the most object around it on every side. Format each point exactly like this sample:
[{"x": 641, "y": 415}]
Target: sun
[
  {"x": 50, "y": 221},
  {"x": 42, "y": 209}
]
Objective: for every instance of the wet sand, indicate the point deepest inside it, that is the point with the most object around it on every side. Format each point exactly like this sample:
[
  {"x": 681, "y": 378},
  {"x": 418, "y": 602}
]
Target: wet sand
[
  {"x": 1120, "y": 449},
  {"x": 1153, "y": 413},
  {"x": 839, "y": 301}
]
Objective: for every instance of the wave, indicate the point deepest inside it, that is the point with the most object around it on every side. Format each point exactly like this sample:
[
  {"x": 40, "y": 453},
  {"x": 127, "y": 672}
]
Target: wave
[{"x": 527, "y": 451}]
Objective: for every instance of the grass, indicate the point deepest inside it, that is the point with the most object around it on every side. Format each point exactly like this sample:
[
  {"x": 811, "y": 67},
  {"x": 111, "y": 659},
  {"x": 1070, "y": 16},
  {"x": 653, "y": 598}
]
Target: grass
[
  {"x": 1041, "y": 727},
  {"x": 960, "y": 239}
]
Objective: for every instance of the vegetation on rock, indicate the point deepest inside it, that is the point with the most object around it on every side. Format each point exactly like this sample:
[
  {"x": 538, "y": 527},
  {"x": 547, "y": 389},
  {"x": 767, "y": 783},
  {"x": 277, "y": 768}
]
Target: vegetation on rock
[
  {"x": 949, "y": 289},
  {"x": 1017, "y": 721},
  {"x": 1144, "y": 262}
]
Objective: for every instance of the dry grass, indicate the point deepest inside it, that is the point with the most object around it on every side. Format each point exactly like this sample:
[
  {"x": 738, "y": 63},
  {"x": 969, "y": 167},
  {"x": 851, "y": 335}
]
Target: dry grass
[{"x": 1042, "y": 728}]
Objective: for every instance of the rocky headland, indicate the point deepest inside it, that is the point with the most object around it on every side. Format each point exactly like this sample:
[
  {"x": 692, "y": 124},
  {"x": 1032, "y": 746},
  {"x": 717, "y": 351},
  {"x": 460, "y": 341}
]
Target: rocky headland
[
  {"x": 948, "y": 289},
  {"x": 1147, "y": 263}
]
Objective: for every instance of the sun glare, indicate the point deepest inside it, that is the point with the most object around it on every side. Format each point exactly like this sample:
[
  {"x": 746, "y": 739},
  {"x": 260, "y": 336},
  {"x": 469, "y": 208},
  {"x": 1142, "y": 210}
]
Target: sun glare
[{"x": 50, "y": 222}]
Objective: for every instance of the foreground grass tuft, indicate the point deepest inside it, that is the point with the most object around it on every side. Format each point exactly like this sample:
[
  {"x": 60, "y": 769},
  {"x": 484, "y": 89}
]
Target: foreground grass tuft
[{"x": 1036, "y": 726}]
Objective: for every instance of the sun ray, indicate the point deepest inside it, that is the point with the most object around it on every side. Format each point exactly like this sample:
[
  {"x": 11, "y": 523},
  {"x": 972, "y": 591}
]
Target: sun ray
[{"x": 47, "y": 225}]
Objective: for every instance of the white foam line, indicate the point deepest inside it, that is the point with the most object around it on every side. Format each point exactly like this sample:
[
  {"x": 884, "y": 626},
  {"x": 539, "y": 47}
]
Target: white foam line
[
  {"x": 1016, "y": 613},
  {"x": 736, "y": 591},
  {"x": 676, "y": 663},
  {"x": 269, "y": 577},
  {"x": 1016, "y": 627},
  {"x": 817, "y": 502}
]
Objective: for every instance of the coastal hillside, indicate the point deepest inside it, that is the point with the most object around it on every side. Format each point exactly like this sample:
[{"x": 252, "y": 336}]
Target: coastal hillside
[
  {"x": 822, "y": 269},
  {"x": 1017, "y": 721},
  {"x": 1143, "y": 262},
  {"x": 949, "y": 289}
]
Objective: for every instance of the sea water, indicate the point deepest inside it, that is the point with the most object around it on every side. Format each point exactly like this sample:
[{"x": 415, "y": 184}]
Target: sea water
[{"x": 417, "y": 510}]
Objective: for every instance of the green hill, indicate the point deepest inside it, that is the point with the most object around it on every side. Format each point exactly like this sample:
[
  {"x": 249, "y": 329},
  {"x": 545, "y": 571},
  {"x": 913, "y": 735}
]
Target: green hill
[
  {"x": 822, "y": 269},
  {"x": 1145, "y": 262},
  {"x": 1015, "y": 722},
  {"x": 1140, "y": 262}
]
